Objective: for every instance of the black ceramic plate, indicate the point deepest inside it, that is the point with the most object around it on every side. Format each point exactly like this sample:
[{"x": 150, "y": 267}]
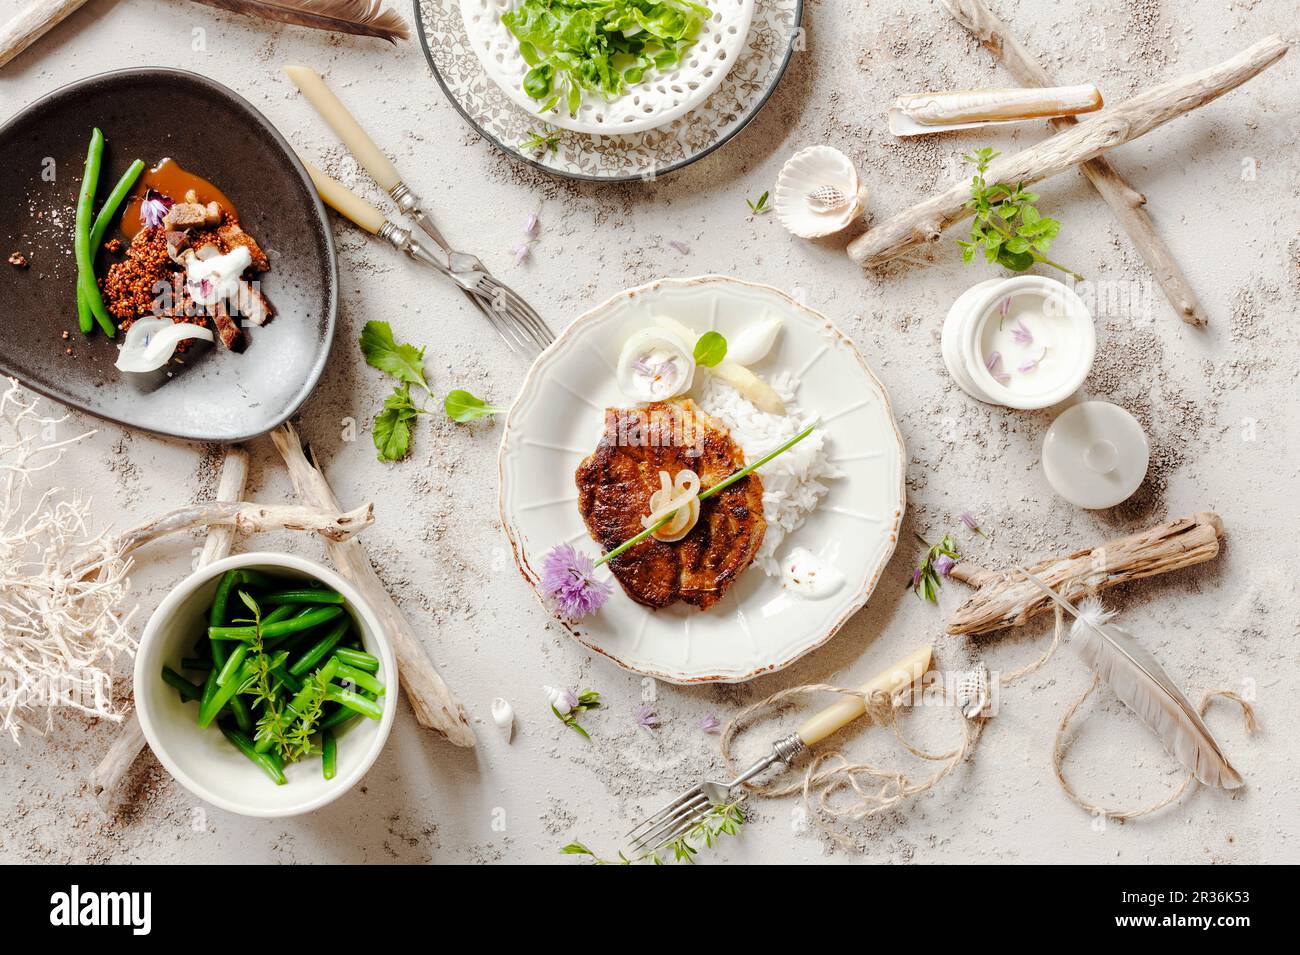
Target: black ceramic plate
[{"x": 150, "y": 114}]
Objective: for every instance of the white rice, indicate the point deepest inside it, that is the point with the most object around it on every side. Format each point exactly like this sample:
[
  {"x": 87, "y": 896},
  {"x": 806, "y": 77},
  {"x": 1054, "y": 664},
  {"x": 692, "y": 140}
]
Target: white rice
[{"x": 792, "y": 483}]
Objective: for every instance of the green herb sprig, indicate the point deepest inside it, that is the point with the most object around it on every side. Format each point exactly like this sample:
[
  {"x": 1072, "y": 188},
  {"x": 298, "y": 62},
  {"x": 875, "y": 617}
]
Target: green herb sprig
[
  {"x": 758, "y": 206},
  {"x": 717, "y": 821},
  {"x": 463, "y": 407},
  {"x": 926, "y": 579},
  {"x": 587, "y": 700},
  {"x": 391, "y": 430},
  {"x": 1007, "y": 226},
  {"x": 541, "y": 143}
]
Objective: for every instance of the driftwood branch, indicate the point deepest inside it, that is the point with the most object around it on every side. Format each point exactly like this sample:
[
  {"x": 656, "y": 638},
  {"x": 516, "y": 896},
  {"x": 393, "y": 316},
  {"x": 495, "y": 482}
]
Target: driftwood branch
[
  {"x": 925, "y": 222},
  {"x": 107, "y": 776},
  {"x": 434, "y": 705},
  {"x": 248, "y": 518},
  {"x": 1126, "y": 202},
  {"x": 1007, "y": 599},
  {"x": 31, "y": 23}
]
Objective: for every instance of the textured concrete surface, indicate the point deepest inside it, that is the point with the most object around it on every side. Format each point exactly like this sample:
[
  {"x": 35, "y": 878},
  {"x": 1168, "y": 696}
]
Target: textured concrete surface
[{"x": 1217, "y": 404}]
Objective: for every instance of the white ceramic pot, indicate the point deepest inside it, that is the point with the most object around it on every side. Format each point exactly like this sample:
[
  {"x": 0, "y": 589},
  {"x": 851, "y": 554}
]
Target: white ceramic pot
[
  {"x": 1024, "y": 342},
  {"x": 202, "y": 759}
]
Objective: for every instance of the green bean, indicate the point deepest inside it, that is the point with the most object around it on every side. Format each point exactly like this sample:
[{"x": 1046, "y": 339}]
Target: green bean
[
  {"x": 209, "y": 691},
  {"x": 85, "y": 321},
  {"x": 338, "y": 718},
  {"x": 234, "y": 663},
  {"x": 223, "y": 694},
  {"x": 84, "y": 254},
  {"x": 188, "y": 690},
  {"x": 109, "y": 209},
  {"x": 278, "y": 628},
  {"x": 306, "y": 596},
  {"x": 321, "y": 649},
  {"x": 196, "y": 663},
  {"x": 217, "y": 612},
  {"x": 269, "y": 762},
  {"x": 354, "y": 701},
  {"x": 357, "y": 658},
  {"x": 362, "y": 679},
  {"x": 329, "y": 754}
]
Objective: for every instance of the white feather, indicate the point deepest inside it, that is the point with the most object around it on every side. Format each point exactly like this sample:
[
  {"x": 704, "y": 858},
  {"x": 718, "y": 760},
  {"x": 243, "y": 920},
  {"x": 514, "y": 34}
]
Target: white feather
[{"x": 1142, "y": 683}]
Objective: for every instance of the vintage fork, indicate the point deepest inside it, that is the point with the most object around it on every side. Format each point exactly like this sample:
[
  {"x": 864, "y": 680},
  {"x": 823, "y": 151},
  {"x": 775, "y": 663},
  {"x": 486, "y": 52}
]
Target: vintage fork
[
  {"x": 676, "y": 819},
  {"x": 513, "y": 318}
]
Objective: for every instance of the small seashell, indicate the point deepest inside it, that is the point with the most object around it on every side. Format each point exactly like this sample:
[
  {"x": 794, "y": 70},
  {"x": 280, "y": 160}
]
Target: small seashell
[
  {"x": 972, "y": 691},
  {"x": 503, "y": 714},
  {"x": 818, "y": 193},
  {"x": 826, "y": 199}
]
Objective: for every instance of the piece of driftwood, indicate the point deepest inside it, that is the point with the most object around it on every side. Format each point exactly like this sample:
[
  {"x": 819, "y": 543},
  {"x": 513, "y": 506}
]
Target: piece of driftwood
[
  {"x": 31, "y": 23},
  {"x": 1127, "y": 203},
  {"x": 106, "y": 777},
  {"x": 925, "y": 222},
  {"x": 1006, "y": 599},
  {"x": 434, "y": 705}
]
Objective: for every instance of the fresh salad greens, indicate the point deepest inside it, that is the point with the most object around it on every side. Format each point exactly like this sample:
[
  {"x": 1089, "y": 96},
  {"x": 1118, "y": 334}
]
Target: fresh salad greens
[
  {"x": 599, "y": 46},
  {"x": 391, "y": 430},
  {"x": 276, "y": 682}
]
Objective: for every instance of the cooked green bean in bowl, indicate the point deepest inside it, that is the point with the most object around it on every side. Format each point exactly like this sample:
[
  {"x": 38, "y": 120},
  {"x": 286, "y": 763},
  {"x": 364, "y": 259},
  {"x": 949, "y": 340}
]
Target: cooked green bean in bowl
[{"x": 265, "y": 684}]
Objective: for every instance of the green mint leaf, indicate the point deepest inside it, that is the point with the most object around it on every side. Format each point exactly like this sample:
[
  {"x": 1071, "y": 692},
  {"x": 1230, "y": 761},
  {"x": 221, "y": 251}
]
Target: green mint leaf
[
  {"x": 463, "y": 407},
  {"x": 710, "y": 349},
  {"x": 401, "y": 361}
]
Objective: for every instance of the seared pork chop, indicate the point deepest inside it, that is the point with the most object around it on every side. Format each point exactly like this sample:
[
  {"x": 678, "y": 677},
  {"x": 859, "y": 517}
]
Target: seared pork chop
[{"x": 614, "y": 488}]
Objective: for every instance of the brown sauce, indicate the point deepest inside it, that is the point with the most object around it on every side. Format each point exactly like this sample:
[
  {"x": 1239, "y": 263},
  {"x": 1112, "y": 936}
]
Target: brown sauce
[{"x": 171, "y": 180}]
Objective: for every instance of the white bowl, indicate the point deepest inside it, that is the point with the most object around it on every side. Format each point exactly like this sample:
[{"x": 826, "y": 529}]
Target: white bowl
[{"x": 203, "y": 760}]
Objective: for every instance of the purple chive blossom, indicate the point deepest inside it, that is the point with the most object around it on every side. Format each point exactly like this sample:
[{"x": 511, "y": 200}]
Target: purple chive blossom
[
  {"x": 531, "y": 225},
  {"x": 944, "y": 564},
  {"x": 710, "y": 724},
  {"x": 680, "y": 246},
  {"x": 1021, "y": 335},
  {"x": 1029, "y": 364},
  {"x": 570, "y": 700},
  {"x": 646, "y": 718},
  {"x": 916, "y": 577},
  {"x": 993, "y": 363},
  {"x": 569, "y": 584},
  {"x": 153, "y": 208},
  {"x": 971, "y": 524},
  {"x": 1004, "y": 307},
  {"x": 521, "y": 253}
]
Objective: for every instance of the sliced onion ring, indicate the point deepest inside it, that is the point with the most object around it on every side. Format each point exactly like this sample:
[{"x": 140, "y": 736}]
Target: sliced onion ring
[
  {"x": 150, "y": 342},
  {"x": 679, "y": 497}
]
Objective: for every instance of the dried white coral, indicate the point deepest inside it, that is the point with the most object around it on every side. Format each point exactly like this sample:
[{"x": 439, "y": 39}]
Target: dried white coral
[{"x": 60, "y": 626}]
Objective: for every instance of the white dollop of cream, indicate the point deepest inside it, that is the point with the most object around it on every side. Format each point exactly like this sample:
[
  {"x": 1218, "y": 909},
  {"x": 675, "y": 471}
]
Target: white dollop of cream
[
  {"x": 809, "y": 576},
  {"x": 213, "y": 280},
  {"x": 503, "y": 715},
  {"x": 754, "y": 341},
  {"x": 655, "y": 365}
]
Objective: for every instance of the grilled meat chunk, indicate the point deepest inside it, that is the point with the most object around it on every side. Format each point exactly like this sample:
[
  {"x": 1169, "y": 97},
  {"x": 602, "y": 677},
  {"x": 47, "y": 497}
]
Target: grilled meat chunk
[
  {"x": 231, "y": 234},
  {"x": 614, "y": 488}
]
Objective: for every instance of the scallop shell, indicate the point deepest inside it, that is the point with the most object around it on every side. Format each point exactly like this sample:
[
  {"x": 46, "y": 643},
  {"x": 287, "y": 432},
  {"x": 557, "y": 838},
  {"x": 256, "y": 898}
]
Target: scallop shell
[{"x": 818, "y": 193}]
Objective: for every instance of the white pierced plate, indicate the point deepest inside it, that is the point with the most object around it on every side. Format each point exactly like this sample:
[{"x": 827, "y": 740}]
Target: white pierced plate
[
  {"x": 658, "y": 100},
  {"x": 758, "y": 626},
  {"x": 774, "y": 34}
]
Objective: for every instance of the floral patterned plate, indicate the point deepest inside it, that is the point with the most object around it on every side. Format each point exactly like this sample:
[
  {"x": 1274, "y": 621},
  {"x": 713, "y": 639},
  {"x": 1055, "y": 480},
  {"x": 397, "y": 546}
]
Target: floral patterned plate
[{"x": 773, "y": 35}]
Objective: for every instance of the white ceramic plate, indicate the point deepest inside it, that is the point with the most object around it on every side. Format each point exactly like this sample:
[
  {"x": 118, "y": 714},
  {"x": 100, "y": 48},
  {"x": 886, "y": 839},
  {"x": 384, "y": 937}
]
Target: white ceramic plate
[
  {"x": 658, "y": 100},
  {"x": 758, "y": 626}
]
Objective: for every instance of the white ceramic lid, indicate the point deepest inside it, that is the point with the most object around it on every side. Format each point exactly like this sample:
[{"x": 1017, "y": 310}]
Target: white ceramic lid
[{"x": 1095, "y": 454}]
